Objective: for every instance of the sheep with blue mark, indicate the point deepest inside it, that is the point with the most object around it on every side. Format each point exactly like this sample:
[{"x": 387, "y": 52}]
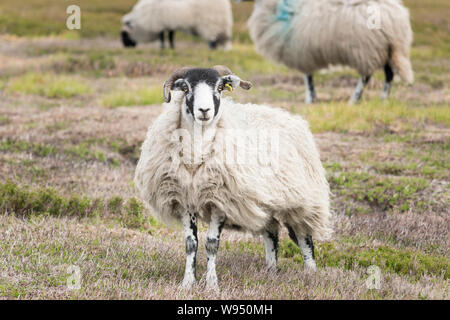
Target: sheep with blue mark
[
  {"x": 240, "y": 166},
  {"x": 309, "y": 35},
  {"x": 150, "y": 20}
]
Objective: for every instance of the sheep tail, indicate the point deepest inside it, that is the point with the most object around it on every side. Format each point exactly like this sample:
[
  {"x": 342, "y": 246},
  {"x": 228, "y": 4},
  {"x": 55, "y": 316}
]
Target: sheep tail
[{"x": 402, "y": 65}]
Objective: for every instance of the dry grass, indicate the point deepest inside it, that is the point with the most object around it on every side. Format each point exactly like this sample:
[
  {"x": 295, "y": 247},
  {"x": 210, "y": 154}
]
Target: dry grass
[
  {"x": 388, "y": 164},
  {"x": 118, "y": 263}
]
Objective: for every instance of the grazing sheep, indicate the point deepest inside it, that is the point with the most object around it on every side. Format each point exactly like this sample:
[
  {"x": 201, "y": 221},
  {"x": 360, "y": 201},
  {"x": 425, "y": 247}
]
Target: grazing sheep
[
  {"x": 312, "y": 34},
  {"x": 150, "y": 19},
  {"x": 187, "y": 171}
]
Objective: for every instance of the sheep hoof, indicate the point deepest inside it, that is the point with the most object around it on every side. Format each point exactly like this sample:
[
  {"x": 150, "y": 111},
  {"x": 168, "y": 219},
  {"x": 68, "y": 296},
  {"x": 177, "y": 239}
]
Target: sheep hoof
[
  {"x": 212, "y": 284},
  {"x": 353, "y": 101},
  {"x": 187, "y": 284},
  {"x": 309, "y": 100}
]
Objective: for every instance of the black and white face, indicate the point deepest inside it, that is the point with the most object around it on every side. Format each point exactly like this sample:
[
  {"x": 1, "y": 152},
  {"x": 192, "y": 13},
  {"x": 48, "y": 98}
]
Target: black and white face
[{"x": 202, "y": 90}]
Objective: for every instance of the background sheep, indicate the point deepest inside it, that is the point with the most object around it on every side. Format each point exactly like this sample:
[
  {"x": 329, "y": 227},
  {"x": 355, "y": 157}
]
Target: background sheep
[
  {"x": 150, "y": 19},
  {"x": 250, "y": 196},
  {"x": 312, "y": 34}
]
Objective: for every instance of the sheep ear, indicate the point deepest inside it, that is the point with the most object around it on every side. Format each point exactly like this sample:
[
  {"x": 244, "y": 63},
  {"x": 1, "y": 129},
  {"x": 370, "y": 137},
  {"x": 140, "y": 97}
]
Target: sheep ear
[{"x": 232, "y": 81}]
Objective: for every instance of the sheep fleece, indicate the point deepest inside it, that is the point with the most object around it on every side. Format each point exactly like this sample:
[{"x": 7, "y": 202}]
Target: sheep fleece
[
  {"x": 293, "y": 191},
  {"x": 309, "y": 35}
]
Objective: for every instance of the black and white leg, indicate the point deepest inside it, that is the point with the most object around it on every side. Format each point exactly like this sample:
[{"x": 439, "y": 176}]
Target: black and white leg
[
  {"x": 212, "y": 246},
  {"x": 190, "y": 231},
  {"x": 212, "y": 44},
  {"x": 171, "y": 39},
  {"x": 310, "y": 93},
  {"x": 271, "y": 244},
  {"x": 161, "y": 39},
  {"x": 306, "y": 245},
  {"x": 389, "y": 74},
  {"x": 270, "y": 236},
  {"x": 362, "y": 82}
]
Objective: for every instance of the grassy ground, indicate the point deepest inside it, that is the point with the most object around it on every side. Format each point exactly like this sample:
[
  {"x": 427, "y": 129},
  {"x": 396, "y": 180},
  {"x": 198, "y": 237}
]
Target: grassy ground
[{"x": 74, "y": 108}]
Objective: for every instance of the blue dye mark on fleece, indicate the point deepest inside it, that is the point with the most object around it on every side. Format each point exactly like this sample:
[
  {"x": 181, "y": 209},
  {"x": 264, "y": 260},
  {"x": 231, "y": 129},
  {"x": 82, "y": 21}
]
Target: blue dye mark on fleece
[{"x": 285, "y": 12}]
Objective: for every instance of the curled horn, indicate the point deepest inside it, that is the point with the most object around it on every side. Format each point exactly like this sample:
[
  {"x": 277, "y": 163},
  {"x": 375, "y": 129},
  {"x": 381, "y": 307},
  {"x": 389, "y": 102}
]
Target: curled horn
[
  {"x": 177, "y": 74},
  {"x": 224, "y": 71}
]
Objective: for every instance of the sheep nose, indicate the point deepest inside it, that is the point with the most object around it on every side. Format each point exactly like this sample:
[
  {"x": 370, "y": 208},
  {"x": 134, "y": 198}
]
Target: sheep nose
[{"x": 203, "y": 110}]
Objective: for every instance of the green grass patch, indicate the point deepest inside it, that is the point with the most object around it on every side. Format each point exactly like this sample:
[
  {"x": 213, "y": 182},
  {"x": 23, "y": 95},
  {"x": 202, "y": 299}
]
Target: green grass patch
[
  {"x": 4, "y": 120},
  {"x": 348, "y": 254},
  {"x": 36, "y": 149},
  {"x": 386, "y": 193},
  {"x": 392, "y": 168},
  {"x": 418, "y": 155},
  {"x": 130, "y": 151},
  {"x": 85, "y": 150},
  {"x": 143, "y": 96},
  {"x": 48, "y": 85},
  {"x": 23, "y": 201},
  {"x": 371, "y": 116},
  {"x": 48, "y": 17}
]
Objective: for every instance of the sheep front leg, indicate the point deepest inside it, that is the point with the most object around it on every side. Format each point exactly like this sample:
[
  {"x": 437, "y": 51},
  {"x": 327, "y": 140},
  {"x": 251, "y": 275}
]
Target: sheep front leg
[
  {"x": 190, "y": 231},
  {"x": 310, "y": 92},
  {"x": 362, "y": 83},
  {"x": 161, "y": 39},
  {"x": 212, "y": 246}
]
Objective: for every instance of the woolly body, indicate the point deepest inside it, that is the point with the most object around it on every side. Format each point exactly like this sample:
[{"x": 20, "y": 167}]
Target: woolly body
[
  {"x": 312, "y": 34},
  {"x": 294, "y": 190}
]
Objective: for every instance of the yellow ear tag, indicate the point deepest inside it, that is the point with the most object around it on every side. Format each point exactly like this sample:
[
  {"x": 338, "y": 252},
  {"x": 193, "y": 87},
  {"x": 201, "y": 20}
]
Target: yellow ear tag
[{"x": 229, "y": 87}]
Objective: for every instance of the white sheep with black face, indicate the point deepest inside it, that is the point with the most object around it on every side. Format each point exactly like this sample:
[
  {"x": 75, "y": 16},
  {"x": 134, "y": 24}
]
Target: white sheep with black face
[
  {"x": 150, "y": 20},
  {"x": 309, "y": 35},
  {"x": 242, "y": 166}
]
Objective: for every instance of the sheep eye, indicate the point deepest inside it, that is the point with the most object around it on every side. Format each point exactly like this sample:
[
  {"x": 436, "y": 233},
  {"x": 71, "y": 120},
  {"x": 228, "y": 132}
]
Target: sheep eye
[{"x": 186, "y": 89}]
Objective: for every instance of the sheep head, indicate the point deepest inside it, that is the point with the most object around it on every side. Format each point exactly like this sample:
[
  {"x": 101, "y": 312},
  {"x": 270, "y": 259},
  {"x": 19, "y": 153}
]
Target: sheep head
[{"x": 202, "y": 90}]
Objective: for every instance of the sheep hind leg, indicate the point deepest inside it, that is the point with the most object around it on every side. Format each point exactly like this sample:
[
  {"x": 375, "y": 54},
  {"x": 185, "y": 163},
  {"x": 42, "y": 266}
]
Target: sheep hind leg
[
  {"x": 270, "y": 236},
  {"x": 189, "y": 220},
  {"x": 171, "y": 39},
  {"x": 161, "y": 39},
  {"x": 389, "y": 74},
  {"x": 310, "y": 92},
  {"x": 306, "y": 245},
  {"x": 363, "y": 81},
  {"x": 212, "y": 246}
]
